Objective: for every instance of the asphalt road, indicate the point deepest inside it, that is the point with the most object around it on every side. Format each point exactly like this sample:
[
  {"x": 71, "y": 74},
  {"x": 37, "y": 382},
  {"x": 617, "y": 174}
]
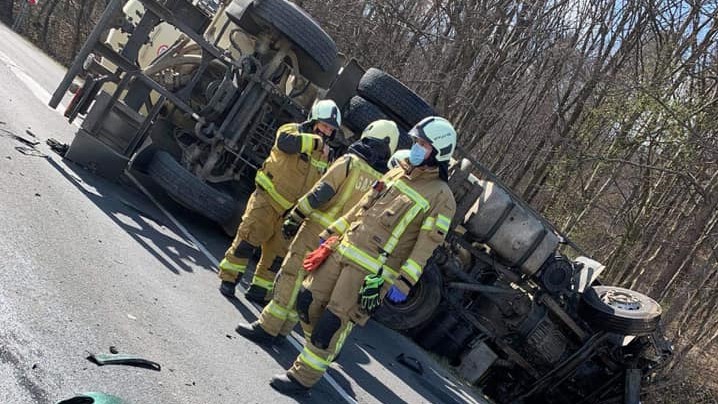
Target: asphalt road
[{"x": 86, "y": 264}]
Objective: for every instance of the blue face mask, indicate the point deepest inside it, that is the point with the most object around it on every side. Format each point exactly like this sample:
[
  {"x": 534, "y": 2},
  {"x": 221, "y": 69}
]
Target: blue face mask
[{"x": 417, "y": 154}]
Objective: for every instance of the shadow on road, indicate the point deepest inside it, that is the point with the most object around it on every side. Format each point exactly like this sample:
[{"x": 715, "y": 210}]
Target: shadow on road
[
  {"x": 368, "y": 358},
  {"x": 370, "y": 355},
  {"x": 132, "y": 213}
]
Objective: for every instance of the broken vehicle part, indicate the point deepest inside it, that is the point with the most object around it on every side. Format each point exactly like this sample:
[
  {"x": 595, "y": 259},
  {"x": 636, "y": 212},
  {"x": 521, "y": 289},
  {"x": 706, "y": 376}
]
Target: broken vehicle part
[
  {"x": 411, "y": 363},
  {"x": 93, "y": 398},
  {"x": 123, "y": 359}
]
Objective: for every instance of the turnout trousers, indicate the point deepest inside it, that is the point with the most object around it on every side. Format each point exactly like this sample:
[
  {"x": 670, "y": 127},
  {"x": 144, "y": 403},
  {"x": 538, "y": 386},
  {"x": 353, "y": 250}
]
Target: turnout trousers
[
  {"x": 261, "y": 226},
  {"x": 329, "y": 302},
  {"x": 280, "y": 316}
]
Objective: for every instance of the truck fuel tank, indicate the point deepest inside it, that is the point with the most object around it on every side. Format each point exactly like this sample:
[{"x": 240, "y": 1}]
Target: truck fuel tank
[{"x": 513, "y": 232}]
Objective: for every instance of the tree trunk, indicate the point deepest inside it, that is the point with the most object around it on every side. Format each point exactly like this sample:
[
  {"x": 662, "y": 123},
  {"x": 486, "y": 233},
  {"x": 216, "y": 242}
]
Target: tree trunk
[{"x": 6, "y": 15}]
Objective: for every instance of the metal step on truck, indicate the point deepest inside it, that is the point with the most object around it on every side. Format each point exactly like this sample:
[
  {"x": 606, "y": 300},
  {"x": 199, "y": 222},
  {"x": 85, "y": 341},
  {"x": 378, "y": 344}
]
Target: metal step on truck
[{"x": 190, "y": 93}]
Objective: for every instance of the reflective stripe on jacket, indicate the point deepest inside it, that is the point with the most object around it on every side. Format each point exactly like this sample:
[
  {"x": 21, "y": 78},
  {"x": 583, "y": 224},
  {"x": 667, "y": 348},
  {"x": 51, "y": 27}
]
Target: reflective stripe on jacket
[
  {"x": 294, "y": 164},
  {"x": 399, "y": 223},
  {"x": 339, "y": 189}
]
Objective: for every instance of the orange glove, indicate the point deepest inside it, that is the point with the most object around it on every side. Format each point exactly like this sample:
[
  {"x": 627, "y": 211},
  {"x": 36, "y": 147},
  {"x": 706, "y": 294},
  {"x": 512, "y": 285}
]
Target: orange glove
[{"x": 315, "y": 258}]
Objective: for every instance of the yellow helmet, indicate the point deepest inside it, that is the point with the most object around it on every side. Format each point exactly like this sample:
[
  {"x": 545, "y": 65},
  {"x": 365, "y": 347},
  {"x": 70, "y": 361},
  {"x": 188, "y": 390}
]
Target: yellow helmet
[
  {"x": 383, "y": 129},
  {"x": 400, "y": 155}
]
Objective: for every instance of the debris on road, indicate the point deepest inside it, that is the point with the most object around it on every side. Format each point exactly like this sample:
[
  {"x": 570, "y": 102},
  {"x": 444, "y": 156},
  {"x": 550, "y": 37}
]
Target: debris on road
[
  {"x": 57, "y": 147},
  {"x": 113, "y": 349},
  {"x": 19, "y": 138},
  {"x": 29, "y": 132},
  {"x": 123, "y": 359},
  {"x": 411, "y": 363},
  {"x": 93, "y": 397},
  {"x": 30, "y": 151}
]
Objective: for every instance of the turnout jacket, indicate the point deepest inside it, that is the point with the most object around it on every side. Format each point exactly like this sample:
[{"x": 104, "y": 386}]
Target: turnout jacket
[
  {"x": 396, "y": 226},
  {"x": 294, "y": 164},
  {"x": 338, "y": 190}
]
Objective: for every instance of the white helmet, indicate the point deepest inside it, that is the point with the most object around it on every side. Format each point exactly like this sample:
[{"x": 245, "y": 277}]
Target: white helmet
[
  {"x": 385, "y": 130},
  {"x": 326, "y": 111},
  {"x": 394, "y": 160},
  {"x": 440, "y": 133}
]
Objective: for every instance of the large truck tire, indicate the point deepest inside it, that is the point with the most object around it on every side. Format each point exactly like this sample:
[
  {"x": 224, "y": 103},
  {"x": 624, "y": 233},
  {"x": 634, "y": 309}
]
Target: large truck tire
[
  {"x": 393, "y": 97},
  {"x": 361, "y": 113},
  {"x": 619, "y": 310},
  {"x": 188, "y": 190},
  {"x": 316, "y": 50},
  {"x": 419, "y": 306}
]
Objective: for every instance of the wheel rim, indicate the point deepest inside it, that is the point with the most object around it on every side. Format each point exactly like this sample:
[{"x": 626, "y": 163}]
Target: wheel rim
[{"x": 621, "y": 300}]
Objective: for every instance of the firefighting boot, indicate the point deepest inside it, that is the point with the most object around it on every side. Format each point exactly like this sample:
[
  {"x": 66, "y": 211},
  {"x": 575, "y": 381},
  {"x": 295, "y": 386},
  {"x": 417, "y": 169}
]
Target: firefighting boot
[
  {"x": 227, "y": 288},
  {"x": 256, "y": 294},
  {"x": 287, "y": 385},
  {"x": 255, "y": 333}
]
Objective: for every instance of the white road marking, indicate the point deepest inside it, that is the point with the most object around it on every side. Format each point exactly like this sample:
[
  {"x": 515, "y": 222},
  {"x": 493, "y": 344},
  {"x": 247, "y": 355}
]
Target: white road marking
[
  {"x": 44, "y": 96},
  {"x": 35, "y": 88}
]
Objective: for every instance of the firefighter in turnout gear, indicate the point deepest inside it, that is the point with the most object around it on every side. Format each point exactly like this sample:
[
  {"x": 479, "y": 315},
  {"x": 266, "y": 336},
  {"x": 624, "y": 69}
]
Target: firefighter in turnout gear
[
  {"x": 339, "y": 189},
  {"x": 390, "y": 235},
  {"x": 298, "y": 159}
]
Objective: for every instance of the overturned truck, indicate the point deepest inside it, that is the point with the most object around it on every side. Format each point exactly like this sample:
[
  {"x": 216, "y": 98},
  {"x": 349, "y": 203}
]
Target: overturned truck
[
  {"x": 520, "y": 319},
  {"x": 190, "y": 94}
]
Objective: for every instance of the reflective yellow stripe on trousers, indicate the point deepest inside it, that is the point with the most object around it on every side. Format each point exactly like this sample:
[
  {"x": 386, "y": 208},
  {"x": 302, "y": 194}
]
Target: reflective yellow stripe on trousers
[
  {"x": 313, "y": 360},
  {"x": 277, "y": 310},
  {"x": 228, "y": 266}
]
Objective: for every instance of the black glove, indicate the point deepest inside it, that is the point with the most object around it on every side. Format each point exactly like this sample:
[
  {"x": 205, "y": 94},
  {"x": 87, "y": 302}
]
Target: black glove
[
  {"x": 291, "y": 225},
  {"x": 369, "y": 293}
]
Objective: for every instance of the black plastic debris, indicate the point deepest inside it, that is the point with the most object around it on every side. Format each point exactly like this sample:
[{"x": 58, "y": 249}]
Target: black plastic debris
[
  {"x": 411, "y": 363},
  {"x": 19, "y": 138},
  {"x": 57, "y": 147},
  {"x": 123, "y": 359},
  {"x": 93, "y": 398},
  {"x": 30, "y": 151}
]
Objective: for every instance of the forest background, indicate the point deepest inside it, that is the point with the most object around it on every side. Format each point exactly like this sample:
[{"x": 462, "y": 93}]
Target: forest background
[{"x": 601, "y": 114}]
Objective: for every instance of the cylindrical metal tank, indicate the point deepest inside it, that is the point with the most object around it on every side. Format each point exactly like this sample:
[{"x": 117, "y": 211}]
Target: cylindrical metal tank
[{"x": 511, "y": 231}]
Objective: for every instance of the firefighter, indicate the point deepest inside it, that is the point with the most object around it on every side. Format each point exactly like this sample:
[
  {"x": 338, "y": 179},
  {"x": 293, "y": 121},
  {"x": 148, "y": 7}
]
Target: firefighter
[
  {"x": 339, "y": 189},
  {"x": 391, "y": 233},
  {"x": 298, "y": 159}
]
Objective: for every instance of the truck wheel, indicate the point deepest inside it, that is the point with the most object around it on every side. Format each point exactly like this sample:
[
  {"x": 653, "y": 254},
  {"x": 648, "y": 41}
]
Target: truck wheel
[
  {"x": 421, "y": 303},
  {"x": 361, "y": 113},
  {"x": 316, "y": 51},
  {"x": 188, "y": 190},
  {"x": 394, "y": 97},
  {"x": 405, "y": 141},
  {"x": 620, "y": 310}
]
